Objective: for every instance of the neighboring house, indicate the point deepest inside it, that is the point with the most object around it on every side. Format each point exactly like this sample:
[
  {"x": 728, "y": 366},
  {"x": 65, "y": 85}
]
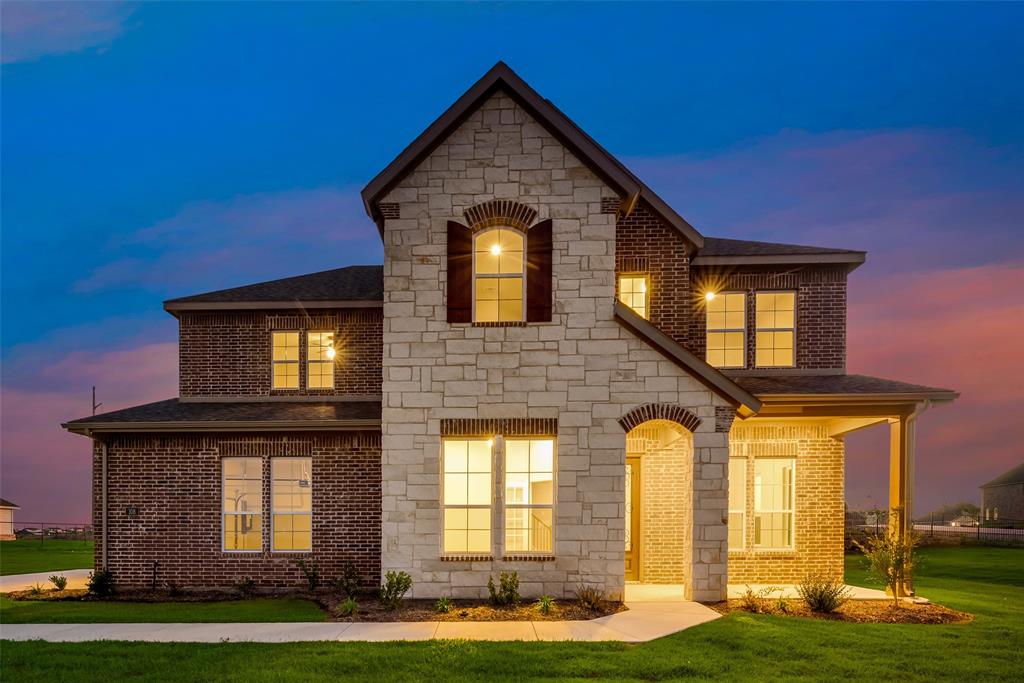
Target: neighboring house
[
  {"x": 553, "y": 372},
  {"x": 1002, "y": 499},
  {"x": 7, "y": 509}
]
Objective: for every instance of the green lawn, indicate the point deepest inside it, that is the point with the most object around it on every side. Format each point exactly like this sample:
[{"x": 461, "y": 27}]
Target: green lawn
[
  {"x": 988, "y": 582},
  {"x": 27, "y": 556},
  {"x": 49, "y": 612}
]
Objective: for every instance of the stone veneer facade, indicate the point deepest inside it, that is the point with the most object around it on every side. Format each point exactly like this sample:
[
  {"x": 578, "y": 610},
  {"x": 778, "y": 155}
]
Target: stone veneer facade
[{"x": 582, "y": 368}]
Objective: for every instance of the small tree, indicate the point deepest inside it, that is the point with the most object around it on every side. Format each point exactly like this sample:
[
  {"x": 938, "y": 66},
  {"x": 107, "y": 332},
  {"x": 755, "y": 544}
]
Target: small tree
[{"x": 891, "y": 555}]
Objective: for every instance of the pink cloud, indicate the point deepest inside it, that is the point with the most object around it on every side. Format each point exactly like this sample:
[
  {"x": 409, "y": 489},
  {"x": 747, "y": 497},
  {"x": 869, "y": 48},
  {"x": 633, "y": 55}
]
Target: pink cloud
[{"x": 30, "y": 30}]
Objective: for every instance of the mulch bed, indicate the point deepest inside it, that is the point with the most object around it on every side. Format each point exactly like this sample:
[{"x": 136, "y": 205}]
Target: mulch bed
[
  {"x": 858, "y": 611},
  {"x": 371, "y": 609}
]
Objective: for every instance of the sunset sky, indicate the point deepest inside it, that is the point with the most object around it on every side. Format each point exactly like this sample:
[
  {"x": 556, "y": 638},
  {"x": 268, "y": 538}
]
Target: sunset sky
[{"x": 159, "y": 150}]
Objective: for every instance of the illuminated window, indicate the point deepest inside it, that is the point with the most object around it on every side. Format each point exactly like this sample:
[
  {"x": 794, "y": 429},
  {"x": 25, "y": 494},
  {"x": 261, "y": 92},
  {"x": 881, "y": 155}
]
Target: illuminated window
[
  {"x": 775, "y": 325},
  {"x": 291, "y": 497},
  {"x": 286, "y": 360},
  {"x": 773, "y": 503},
  {"x": 466, "y": 468},
  {"x": 498, "y": 275},
  {"x": 529, "y": 494},
  {"x": 242, "y": 491},
  {"x": 320, "y": 360},
  {"x": 737, "y": 502},
  {"x": 633, "y": 293},
  {"x": 727, "y": 330}
]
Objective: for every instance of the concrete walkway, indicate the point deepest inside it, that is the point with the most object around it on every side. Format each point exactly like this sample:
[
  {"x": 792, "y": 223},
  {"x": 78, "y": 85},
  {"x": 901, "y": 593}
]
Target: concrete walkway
[
  {"x": 77, "y": 578},
  {"x": 643, "y": 621}
]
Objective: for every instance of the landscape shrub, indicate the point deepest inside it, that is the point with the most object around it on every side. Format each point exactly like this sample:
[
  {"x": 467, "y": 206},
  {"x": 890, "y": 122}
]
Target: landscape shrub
[
  {"x": 823, "y": 593},
  {"x": 759, "y": 602},
  {"x": 348, "y": 607},
  {"x": 892, "y": 556},
  {"x": 589, "y": 597},
  {"x": 101, "y": 583},
  {"x": 506, "y": 593},
  {"x": 311, "y": 570},
  {"x": 394, "y": 588},
  {"x": 349, "y": 582},
  {"x": 59, "y": 582},
  {"x": 544, "y": 604},
  {"x": 246, "y": 586},
  {"x": 443, "y": 605}
]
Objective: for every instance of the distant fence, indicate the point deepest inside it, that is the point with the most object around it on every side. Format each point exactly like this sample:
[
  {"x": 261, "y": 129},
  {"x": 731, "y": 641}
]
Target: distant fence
[
  {"x": 53, "y": 531},
  {"x": 955, "y": 530}
]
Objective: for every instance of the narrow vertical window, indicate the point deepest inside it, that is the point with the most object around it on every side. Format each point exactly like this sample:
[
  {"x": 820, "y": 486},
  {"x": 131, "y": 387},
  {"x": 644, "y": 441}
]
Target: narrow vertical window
[
  {"x": 320, "y": 360},
  {"x": 467, "y": 496},
  {"x": 633, "y": 293},
  {"x": 498, "y": 275},
  {"x": 737, "y": 502},
  {"x": 291, "y": 496},
  {"x": 775, "y": 327},
  {"x": 286, "y": 360},
  {"x": 773, "y": 503},
  {"x": 529, "y": 495},
  {"x": 727, "y": 329},
  {"x": 242, "y": 491}
]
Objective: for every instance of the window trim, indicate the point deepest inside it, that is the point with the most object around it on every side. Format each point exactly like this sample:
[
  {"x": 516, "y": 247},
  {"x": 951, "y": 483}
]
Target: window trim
[
  {"x": 792, "y": 511},
  {"x": 492, "y": 506},
  {"x": 757, "y": 329},
  {"x": 729, "y": 510},
  {"x": 505, "y": 505},
  {"x": 329, "y": 362},
  {"x": 742, "y": 330},
  {"x": 474, "y": 275},
  {"x": 298, "y": 361},
  {"x": 636, "y": 275},
  {"x": 224, "y": 514},
  {"x": 273, "y": 512}
]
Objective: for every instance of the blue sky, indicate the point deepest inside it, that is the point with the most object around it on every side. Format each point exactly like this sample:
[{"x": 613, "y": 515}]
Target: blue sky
[{"x": 161, "y": 149}]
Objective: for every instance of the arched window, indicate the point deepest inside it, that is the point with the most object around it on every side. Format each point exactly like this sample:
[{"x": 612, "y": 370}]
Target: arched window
[{"x": 499, "y": 275}]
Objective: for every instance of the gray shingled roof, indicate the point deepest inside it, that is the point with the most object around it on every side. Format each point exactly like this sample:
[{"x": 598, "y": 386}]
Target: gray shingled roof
[
  {"x": 721, "y": 246},
  {"x": 4, "y": 503},
  {"x": 354, "y": 283},
  {"x": 1013, "y": 476},
  {"x": 174, "y": 411},
  {"x": 833, "y": 384}
]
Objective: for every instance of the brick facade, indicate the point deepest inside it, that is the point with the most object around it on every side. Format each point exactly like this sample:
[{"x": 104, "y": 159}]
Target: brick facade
[
  {"x": 174, "y": 484},
  {"x": 228, "y": 353},
  {"x": 818, "y": 498}
]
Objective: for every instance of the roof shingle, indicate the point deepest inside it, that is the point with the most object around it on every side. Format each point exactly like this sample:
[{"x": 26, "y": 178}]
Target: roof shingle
[
  {"x": 721, "y": 246},
  {"x": 833, "y": 385},
  {"x": 354, "y": 283}
]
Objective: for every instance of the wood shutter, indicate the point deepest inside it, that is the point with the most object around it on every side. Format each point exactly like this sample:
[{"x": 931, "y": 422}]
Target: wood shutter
[
  {"x": 538, "y": 272},
  {"x": 460, "y": 273}
]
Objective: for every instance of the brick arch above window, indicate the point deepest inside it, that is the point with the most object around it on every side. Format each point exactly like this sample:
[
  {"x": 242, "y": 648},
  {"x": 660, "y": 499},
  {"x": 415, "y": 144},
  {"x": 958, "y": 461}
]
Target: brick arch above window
[
  {"x": 659, "y": 411},
  {"x": 504, "y": 212}
]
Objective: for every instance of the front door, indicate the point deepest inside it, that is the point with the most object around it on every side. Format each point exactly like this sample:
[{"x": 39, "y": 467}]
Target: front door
[{"x": 632, "y": 519}]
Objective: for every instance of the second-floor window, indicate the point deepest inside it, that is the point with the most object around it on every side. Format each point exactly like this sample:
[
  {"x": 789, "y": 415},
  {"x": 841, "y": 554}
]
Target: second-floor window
[
  {"x": 727, "y": 330},
  {"x": 499, "y": 276},
  {"x": 633, "y": 293},
  {"x": 320, "y": 360},
  {"x": 285, "y": 360},
  {"x": 774, "y": 342}
]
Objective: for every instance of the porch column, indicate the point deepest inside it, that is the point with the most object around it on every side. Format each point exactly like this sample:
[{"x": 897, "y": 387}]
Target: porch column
[{"x": 901, "y": 478}]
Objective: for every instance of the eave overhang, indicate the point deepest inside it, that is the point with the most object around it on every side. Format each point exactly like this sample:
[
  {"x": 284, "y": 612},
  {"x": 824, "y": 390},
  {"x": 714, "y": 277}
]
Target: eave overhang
[
  {"x": 174, "y": 308},
  {"x": 96, "y": 428},
  {"x": 851, "y": 260}
]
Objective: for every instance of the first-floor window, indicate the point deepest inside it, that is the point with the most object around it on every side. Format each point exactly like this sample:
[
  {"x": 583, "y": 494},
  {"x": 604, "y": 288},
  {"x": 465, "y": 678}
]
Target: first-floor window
[
  {"x": 737, "y": 502},
  {"x": 529, "y": 494},
  {"x": 467, "y": 496},
  {"x": 291, "y": 497},
  {"x": 633, "y": 293},
  {"x": 242, "y": 503},
  {"x": 773, "y": 503}
]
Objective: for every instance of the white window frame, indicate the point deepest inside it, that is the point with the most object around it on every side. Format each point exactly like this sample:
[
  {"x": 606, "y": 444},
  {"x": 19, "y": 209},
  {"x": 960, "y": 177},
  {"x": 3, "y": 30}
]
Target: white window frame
[
  {"x": 329, "y": 362},
  {"x": 742, "y": 511},
  {"x": 725, "y": 330},
  {"x": 792, "y": 511},
  {"x": 646, "y": 315},
  {"x": 776, "y": 329},
  {"x": 529, "y": 506},
  {"x": 274, "y": 513},
  {"x": 224, "y": 514},
  {"x": 491, "y": 507},
  {"x": 522, "y": 276},
  {"x": 297, "y": 362}
]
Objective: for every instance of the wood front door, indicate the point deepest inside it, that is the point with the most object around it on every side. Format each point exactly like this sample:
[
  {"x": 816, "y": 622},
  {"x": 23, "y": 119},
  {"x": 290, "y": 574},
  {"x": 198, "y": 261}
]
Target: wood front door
[{"x": 632, "y": 519}]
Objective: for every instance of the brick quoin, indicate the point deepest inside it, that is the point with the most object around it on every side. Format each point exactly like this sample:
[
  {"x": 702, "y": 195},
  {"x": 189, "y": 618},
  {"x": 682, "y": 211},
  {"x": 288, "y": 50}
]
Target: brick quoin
[
  {"x": 174, "y": 482},
  {"x": 229, "y": 354}
]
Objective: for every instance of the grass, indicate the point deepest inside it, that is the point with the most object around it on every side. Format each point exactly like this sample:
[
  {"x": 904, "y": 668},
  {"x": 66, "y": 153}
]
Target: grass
[
  {"x": 67, "y": 612},
  {"x": 28, "y": 556},
  {"x": 988, "y": 582}
]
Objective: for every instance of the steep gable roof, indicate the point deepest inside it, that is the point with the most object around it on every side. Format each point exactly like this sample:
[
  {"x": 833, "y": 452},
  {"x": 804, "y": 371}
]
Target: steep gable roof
[
  {"x": 503, "y": 78},
  {"x": 1014, "y": 476}
]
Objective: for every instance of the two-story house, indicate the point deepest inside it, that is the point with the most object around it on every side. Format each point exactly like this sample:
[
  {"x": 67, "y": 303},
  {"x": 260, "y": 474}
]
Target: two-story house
[{"x": 553, "y": 372}]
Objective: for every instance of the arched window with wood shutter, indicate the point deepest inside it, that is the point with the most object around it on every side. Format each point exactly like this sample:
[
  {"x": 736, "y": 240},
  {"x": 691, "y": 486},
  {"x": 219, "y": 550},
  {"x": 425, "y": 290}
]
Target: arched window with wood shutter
[{"x": 499, "y": 277}]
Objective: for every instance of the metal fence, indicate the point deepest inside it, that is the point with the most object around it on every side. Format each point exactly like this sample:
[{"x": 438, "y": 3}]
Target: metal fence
[
  {"x": 53, "y": 531},
  {"x": 964, "y": 528}
]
